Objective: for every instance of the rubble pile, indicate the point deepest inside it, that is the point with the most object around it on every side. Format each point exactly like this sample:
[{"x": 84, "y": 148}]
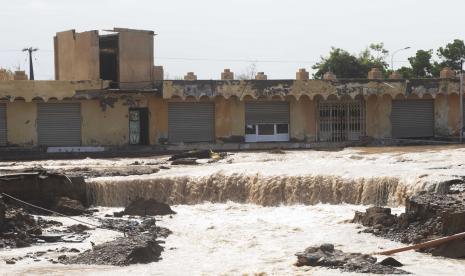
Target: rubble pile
[
  {"x": 146, "y": 207},
  {"x": 326, "y": 255},
  {"x": 192, "y": 157},
  {"x": 17, "y": 228},
  {"x": 427, "y": 216},
  {"x": 139, "y": 245}
]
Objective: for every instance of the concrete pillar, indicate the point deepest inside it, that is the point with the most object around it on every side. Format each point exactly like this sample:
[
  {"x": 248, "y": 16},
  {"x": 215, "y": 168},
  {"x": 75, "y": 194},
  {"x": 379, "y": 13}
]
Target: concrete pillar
[
  {"x": 302, "y": 74},
  {"x": 20, "y": 75},
  {"x": 447, "y": 73},
  {"x": 227, "y": 75},
  {"x": 375, "y": 74},
  {"x": 261, "y": 76},
  {"x": 158, "y": 73},
  {"x": 190, "y": 76},
  {"x": 330, "y": 76},
  {"x": 395, "y": 76}
]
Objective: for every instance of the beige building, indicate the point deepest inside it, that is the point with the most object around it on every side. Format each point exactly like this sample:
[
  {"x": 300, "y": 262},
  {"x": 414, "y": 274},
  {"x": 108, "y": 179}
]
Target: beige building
[{"x": 108, "y": 92}]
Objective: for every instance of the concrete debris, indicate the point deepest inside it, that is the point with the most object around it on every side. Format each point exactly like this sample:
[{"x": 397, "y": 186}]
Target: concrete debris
[
  {"x": 140, "y": 245},
  {"x": 191, "y": 157},
  {"x": 197, "y": 154},
  {"x": 185, "y": 161},
  {"x": 146, "y": 207},
  {"x": 326, "y": 255},
  {"x": 427, "y": 216},
  {"x": 69, "y": 207}
]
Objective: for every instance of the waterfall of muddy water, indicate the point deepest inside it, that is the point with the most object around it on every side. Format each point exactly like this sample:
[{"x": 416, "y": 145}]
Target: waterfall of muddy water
[{"x": 257, "y": 189}]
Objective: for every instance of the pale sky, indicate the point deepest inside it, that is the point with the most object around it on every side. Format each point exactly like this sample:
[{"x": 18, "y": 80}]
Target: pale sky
[{"x": 218, "y": 34}]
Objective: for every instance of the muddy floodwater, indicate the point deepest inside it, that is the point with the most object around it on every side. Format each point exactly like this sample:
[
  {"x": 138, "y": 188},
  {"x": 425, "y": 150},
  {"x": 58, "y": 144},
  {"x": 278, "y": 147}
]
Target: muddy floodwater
[
  {"x": 250, "y": 212},
  {"x": 237, "y": 239}
]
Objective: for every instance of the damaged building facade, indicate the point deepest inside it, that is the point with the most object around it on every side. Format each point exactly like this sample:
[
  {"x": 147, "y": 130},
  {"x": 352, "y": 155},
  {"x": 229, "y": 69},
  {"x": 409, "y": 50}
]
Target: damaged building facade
[{"x": 108, "y": 92}]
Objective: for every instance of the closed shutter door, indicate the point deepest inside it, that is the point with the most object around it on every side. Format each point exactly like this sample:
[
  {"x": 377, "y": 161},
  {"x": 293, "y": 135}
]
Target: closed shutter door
[
  {"x": 59, "y": 124},
  {"x": 2, "y": 124},
  {"x": 191, "y": 122},
  {"x": 412, "y": 118},
  {"x": 266, "y": 113}
]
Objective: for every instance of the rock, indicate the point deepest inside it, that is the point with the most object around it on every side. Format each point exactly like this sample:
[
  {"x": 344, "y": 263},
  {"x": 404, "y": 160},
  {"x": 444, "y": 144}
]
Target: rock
[
  {"x": 133, "y": 249},
  {"x": 390, "y": 261},
  {"x": 118, "y": 214},
  {"x": 326, "y": 256},
  {"x": 62, "y": 258},
  {"x": 147, "y": 207},
  {"x": 50, "y": 237},
  {"x": 185, "y": 161},
  {"x": 327, "y": 247},
  {"x": 10, "y": 261},
  {"x": 195, "y": 154},
  {"x": 78, "y": 228},
  {"x": 2, "y": 212},
  {"x": 427, "y": 216},
  {"x": 69, "y": 206},
  {"x": 375, "y": 216}
]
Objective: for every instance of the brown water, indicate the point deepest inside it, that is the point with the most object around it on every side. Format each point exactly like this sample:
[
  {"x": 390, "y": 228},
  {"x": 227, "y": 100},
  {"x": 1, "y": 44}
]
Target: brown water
[{"x": 257, "y": 189}]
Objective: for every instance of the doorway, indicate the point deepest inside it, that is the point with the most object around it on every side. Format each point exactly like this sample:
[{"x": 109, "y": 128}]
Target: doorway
[{"x": 138, "y": 126}]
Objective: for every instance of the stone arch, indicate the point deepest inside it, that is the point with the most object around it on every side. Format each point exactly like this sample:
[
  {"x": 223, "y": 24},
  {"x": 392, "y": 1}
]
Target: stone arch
[
  {"x": 427, "y": 96},
  {"x": 318, "y": 97},
  {"x": 190, "y": 98},
  {"x": 332, "y": 97},
  {"x": 247, "y": 98},
  {"x": 19, "y": 99},
  {"x": 399, "y": 97},
  {"x": 204, "y": 98},
  {"x": 413, "y": 96}
]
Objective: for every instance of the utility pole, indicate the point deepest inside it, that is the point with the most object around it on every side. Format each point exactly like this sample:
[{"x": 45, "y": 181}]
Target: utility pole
[
  {"x": 31, "y": 68},
  {"x": 461, "y": 101}
]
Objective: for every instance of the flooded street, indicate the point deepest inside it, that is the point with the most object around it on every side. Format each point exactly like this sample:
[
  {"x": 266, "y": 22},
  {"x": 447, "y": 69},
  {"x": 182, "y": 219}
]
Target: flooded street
[
  {"x": 250, "y": 212},
  {"x": 243, "y": 239}
]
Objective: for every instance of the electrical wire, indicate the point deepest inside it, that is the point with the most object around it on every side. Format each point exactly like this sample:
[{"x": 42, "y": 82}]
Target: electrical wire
[{"x": 55, "y": 212}]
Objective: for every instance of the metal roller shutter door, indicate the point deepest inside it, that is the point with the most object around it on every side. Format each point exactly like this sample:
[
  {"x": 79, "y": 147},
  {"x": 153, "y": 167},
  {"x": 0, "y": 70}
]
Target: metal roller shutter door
[
  {"x": 2, "y": 125},
  {"x": 412, "y": 118},
  {"x": 191, "y": 122},
  {"x": 266, "y": 113},
  {"x": 59, "y": 124}
]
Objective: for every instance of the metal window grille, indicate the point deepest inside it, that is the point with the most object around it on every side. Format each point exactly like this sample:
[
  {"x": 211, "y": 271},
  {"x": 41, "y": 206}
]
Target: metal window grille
[{"x": 340, "y": 121}]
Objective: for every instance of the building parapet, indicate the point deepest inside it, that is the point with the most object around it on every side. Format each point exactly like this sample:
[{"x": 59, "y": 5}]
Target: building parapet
[
  {"x": 45, "y": 90},
  {"x": 325, "y": 89}
]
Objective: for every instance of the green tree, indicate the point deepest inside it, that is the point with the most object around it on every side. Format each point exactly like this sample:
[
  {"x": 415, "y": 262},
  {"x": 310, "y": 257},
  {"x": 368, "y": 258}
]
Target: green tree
[
  {"x": 421, "y": 65},
  {"x": 341, "y": 63},
  {"x": 452, "y": 54},
  {"x": 347, "y": 65},
  {"x": 405, "y": 72},
  {"x": 374, "y": 56}
]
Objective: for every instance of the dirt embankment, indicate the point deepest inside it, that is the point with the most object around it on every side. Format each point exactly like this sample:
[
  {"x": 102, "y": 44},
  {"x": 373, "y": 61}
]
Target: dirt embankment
[{"x": 427, "y": 216}]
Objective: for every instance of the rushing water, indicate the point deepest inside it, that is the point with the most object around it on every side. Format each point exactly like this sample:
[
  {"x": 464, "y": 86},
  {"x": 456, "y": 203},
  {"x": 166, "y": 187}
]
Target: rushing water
[
  {"x": 238, "y": 239},
  {"x": 243, "y": 188},
  {"x": 264, "y": 208}
]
